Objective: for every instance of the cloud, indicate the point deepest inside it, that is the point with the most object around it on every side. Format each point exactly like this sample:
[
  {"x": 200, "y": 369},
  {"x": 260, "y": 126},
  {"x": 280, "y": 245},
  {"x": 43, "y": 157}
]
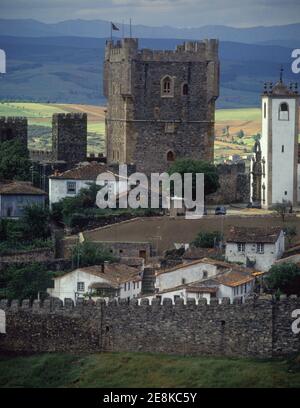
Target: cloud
[{"x": 159, "y": 12}]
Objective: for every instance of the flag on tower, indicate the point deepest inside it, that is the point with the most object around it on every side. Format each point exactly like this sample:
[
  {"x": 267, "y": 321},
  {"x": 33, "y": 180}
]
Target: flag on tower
[{"x": 114, "y": 27}]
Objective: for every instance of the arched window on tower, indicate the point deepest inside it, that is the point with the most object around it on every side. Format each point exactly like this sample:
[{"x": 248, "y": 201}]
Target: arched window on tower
[
  {"x": 167, "y": 86},
  {"x": 284, "y": 111},
  {"x": 185, "y": 89},
  {"x": 170, "y": 156}
]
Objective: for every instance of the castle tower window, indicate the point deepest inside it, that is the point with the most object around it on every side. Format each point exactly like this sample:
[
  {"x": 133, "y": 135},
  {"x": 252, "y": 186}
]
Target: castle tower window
[
  {"x": 284, "y": 111},
  {"x": 265, "y": 110},
  {"x": 167, "y": 87},
  {"x": 185, "y": 89},
  {"x": 170, "y": 156}
]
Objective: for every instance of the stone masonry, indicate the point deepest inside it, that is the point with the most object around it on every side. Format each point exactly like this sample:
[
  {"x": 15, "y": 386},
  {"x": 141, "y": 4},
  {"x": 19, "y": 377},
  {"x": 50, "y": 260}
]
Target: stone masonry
[
  {"x": 13, "y": 128},
  {"x": 260, "y": 327},
  {"x": 69, "y": 137},
  {"x": 161, "y": 104}
]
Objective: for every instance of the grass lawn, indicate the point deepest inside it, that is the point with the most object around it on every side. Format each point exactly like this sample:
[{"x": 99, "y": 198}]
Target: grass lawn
[{"x": 145, "y": 370}]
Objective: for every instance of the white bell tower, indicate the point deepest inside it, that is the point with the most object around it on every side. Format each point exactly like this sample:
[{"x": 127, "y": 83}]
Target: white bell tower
[{"x": 279, "y": 144}]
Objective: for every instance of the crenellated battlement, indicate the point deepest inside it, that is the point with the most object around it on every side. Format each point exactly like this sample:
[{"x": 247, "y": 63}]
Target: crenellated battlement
[
  {"x": 260, "y": 327},
  {"x": 20, "y": 120},
  {"x": 189, "y": 51},
  {"x": 55, "y": 304},
  {"x": 69, "y": 116}
]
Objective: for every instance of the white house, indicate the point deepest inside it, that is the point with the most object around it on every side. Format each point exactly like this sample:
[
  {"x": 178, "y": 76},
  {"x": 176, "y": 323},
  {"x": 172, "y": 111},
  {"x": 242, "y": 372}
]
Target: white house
[
  {"x": 235, "y": 282},
  {"x": 102, "y": 281},
  {"x": 256, "y": 247},
  {"x": 187, "y": 273},
  {"x": 70, "y": 182}
]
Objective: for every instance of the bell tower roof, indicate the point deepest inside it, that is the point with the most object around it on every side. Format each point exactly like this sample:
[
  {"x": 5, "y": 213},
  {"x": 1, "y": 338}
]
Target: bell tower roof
[{"x": 280, "y": 89}]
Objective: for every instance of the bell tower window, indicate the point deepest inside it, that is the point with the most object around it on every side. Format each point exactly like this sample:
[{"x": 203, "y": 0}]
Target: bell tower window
[{"x": 284, "y": 111}]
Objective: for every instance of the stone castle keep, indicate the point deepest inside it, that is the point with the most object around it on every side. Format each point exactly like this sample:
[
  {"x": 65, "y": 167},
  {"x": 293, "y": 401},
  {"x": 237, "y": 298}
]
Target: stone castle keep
[
  {"x": 260, "y": 327},
  {"x": 161, "y": 104}
]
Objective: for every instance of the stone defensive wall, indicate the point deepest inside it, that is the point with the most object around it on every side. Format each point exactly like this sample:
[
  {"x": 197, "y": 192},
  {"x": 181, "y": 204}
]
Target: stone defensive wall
[{"x": 261, "y": 327}]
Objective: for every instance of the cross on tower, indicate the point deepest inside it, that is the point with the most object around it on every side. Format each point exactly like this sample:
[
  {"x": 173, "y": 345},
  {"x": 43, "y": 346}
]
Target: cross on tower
[{"x": 281, "y": 74}]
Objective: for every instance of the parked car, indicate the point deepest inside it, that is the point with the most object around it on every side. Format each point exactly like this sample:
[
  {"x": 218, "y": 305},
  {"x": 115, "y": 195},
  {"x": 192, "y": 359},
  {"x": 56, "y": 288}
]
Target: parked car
[
  {"x": 220, "y": 211},
  {"x": 254, "y": 205}
]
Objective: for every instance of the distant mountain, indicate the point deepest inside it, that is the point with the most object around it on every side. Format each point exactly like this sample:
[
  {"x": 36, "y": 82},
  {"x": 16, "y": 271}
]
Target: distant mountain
[
  {"x": 69, "y": 69},
  {"x": 101, "y": 29}
]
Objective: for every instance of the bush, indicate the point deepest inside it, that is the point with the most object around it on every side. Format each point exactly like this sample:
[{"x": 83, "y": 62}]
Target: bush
[
  {"x": 25, "y": 282},
  {"x": 284, "y": 278},
  {"x": 207, "y": 239},
  {"x": 89, "y": 254}
]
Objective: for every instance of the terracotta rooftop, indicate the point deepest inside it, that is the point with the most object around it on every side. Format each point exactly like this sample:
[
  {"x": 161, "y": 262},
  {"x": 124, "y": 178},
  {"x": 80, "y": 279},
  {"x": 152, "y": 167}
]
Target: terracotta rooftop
[
  {"x": 194, "y": 253},
  {"x": 20, "y": 188},
  {"x": 115, "y": 273},
  {"x": 234, "y": 278},
  {"x": 88, "y": 171},
  {"x": 255, "y": 235},
  {"x": 220, "y": 264}
]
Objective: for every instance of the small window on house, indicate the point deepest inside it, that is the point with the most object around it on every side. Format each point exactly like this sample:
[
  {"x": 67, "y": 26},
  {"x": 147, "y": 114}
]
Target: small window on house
[
  {"x": 133, "y": 285},
  {"x": 128, "y": 285},
  {"x": 183, "y": 281},
  {"x": 137, "y": 285},
  {"x": 185, "y": 89},
  {"x": 282, "y": 149},
  {"x": 170, "y": 156},
  {"x": 260, "y": 248},
  {"x": 80, "y": 286},
  {"x": 285, "y": 193},
  {"x": 125, "y": 286},
  {"x": 71, "y": 187},
  {"x": 121, "y": 251},
  {"x": 167, "y": 86},
  {"x": 284, "y": 111},
  {"x": 204, "y": 274},
  {"x": 241, "y": 247}
]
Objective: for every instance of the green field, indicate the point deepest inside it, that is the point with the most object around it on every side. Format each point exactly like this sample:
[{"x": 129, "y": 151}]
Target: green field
[
  {"x": 251, "y": 114},
  {"x": 145, "y": 370},
  {"x": 40, "y": 116},
  {"x": 40, "y": 122}
]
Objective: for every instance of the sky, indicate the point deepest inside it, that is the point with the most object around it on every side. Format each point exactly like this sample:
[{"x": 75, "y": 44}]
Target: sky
[{"x": 179, "y": 13}]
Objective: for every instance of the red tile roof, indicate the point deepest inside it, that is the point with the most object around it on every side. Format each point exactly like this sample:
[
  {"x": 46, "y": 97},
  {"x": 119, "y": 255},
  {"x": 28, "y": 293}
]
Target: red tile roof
[
  {"x": 88, "y": 172},
  {"x": 263, "y": 235},
  {"x": 20, "y": 188}
]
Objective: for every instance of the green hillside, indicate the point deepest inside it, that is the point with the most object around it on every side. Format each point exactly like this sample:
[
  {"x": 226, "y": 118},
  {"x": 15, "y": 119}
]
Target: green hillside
[{"x": 145, "y": 370}]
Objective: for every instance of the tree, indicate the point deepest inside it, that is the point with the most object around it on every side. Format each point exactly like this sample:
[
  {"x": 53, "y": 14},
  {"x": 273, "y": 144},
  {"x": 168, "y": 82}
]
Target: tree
[
  {"x": 284, "y": 278},
  {"x": 240, "y": 134},
  {"x": 211, "y": 177},
  {"x": 25, "y": 282},
  {"x": 89, "y": 254},
  {"x": 290, "y": 232},
  {"x": 14, "y": 161},
  {"x": 207, "y": 239},
  {"x": 35, "y": 222},
  {"x": 68, "y": 206},
  {"x": 282, "y": 208}
]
